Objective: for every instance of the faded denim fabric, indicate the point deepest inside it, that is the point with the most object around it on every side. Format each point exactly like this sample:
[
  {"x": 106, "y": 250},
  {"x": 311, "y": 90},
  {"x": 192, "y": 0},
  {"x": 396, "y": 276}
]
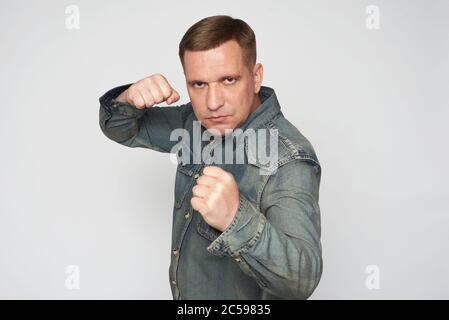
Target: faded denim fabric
[{"x": 272, "y": 248}]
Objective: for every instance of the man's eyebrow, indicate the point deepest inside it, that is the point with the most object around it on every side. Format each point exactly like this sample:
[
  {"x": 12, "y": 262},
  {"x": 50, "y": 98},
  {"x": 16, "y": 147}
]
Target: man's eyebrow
[{"x": 236, "y": 76}]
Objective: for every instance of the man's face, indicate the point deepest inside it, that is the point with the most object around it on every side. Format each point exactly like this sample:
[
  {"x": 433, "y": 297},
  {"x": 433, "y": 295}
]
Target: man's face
[{"x": 222, "y": 90}]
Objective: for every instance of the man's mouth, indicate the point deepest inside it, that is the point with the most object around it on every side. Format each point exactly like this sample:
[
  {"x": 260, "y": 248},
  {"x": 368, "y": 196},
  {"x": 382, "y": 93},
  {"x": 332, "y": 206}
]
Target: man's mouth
[{"x": 217, "y": 118}]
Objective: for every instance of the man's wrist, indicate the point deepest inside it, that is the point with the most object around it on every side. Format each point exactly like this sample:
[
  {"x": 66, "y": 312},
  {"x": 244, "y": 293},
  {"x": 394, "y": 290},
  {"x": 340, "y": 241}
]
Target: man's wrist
[
  {"x": 122, "y": 97},
  {"x": 243, "y": 232}
]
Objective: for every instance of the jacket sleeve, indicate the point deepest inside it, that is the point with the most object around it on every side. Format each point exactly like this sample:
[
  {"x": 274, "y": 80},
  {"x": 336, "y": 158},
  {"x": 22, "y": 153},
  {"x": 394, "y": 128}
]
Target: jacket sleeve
[
  {"x": 279, "y": 245},
  {"x": 145, "y": 128}
]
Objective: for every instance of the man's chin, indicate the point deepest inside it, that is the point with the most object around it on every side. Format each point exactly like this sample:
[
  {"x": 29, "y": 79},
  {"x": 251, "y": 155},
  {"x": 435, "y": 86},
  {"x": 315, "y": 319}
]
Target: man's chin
[{"x": 220, "y": 130}]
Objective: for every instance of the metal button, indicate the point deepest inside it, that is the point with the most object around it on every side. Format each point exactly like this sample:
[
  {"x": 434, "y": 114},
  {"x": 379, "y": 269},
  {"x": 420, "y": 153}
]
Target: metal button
[
  {"x": 187, "y": 215},
  {"x": 238, "y": 259},
  {"x": 175, "y": 252},
  {"x": 173, "y": 282}
]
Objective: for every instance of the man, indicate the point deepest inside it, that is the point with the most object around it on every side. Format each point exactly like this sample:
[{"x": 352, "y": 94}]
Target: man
[{"x": 238, "y": 232}]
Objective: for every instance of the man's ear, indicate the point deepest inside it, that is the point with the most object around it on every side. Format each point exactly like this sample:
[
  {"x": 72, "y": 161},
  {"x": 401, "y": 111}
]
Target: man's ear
[{"x": 258, "y": 77}]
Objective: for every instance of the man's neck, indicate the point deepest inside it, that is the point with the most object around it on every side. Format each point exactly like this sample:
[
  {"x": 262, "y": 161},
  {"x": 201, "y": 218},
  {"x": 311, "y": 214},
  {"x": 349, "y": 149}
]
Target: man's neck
[{"x": 256, "y": 103}]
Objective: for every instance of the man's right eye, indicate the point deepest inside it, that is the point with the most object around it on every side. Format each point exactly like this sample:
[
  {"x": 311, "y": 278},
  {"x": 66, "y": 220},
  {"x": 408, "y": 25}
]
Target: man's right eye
[{"x": 198, "y": 85}]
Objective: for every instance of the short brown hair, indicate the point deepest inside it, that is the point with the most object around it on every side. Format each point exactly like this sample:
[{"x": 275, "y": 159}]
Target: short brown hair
[{"x": 211, "y": 32}]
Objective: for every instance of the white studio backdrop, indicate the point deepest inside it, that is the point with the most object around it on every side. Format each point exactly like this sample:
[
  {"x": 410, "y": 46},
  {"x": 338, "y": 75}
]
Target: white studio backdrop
[{"x": 366, "y": 82}]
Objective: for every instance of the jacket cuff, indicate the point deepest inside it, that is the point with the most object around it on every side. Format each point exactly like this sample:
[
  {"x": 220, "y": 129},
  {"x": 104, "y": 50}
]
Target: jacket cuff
[
  {"x": 109, "y": 102},
  {"x": 243, "y": 232}
]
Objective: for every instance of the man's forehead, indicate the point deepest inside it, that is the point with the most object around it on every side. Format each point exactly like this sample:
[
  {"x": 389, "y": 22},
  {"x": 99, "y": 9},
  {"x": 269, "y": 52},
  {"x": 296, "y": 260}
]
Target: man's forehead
[{"x": 216, "y": 62}]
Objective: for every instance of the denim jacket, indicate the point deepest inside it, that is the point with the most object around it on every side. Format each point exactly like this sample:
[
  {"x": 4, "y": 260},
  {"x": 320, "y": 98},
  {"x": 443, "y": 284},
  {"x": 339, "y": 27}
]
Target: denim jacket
[{"x": 272, "y": 248}]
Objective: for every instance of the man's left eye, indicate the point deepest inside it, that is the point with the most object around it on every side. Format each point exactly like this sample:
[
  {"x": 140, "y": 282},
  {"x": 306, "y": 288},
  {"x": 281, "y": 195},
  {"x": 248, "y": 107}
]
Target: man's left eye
[{"x": 230, "y": 80}]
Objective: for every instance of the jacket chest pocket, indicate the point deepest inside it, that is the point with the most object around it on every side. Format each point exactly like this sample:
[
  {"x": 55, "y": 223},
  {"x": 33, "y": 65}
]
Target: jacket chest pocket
[{"x": 185, "y": 179}]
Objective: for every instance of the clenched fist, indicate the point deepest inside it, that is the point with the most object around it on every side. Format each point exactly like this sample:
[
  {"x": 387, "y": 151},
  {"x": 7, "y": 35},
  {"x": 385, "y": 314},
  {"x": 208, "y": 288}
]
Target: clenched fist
[
  {"x": 149, "y": 91},
  {"x": 216, "y": 197}
]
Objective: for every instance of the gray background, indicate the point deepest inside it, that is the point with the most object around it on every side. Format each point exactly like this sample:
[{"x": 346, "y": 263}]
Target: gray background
[{"x": 374, "y": 104}]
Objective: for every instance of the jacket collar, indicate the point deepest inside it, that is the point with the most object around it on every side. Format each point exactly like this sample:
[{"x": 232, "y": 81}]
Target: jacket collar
[{"x": 266, "y": 111}]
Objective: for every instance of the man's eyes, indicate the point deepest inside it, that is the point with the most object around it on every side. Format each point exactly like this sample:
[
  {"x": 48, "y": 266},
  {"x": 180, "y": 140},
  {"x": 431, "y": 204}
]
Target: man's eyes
[{"x": 227, "y": 81}]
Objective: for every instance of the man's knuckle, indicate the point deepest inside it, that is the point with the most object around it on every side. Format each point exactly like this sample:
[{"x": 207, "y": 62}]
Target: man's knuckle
[{"x": 148, "y": 82}]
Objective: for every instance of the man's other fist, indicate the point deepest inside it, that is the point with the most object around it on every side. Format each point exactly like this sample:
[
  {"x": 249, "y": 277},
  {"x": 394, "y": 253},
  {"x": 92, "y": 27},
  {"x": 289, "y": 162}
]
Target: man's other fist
[{"x": 216, "y": 197}]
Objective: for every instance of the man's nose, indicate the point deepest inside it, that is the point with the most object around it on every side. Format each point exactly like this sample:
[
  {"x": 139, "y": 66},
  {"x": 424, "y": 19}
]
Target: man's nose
[{"x": 214, "y": 97}]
